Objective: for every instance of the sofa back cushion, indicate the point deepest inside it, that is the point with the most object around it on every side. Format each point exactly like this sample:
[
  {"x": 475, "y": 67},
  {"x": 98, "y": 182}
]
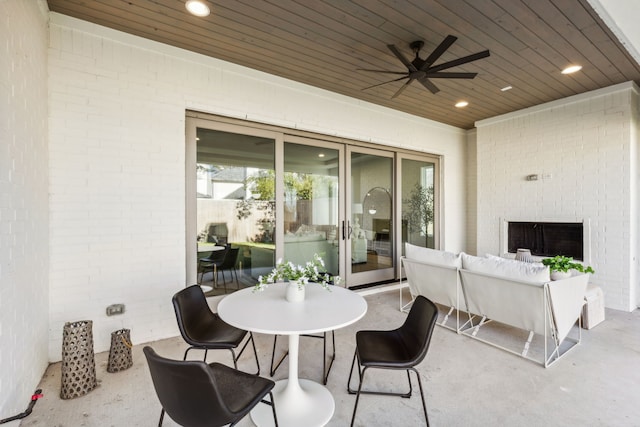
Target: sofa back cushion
[
  {"x": 512, "y": 269},
  {"x": 432, "y": 256}
]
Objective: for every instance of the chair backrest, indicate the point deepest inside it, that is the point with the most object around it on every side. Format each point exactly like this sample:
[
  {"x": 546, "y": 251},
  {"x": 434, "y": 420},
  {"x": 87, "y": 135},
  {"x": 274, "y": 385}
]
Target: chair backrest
[
  {"x": 187, "y": 391},
  {"x": 230, "y": 259},
  {"x": 192, "y": 313},
  {"x": 417, "y": 329},
  {"x": 217, "y": 256}
]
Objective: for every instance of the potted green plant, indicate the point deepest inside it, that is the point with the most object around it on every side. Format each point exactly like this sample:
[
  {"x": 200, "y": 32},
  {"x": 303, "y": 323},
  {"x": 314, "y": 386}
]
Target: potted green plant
[
  {"x": 298, "y": 276},
  {"x": 561, "y": 266}
]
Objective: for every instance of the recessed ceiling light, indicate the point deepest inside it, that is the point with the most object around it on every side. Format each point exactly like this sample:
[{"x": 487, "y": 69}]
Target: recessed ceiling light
[
  {"x": 506, "y": 88},
  {"x": 461, "y": 104},
  {"x": 572, "y": 69},
  {"x": 321, "y": 155},
  {"x": 197, "y": 7}
]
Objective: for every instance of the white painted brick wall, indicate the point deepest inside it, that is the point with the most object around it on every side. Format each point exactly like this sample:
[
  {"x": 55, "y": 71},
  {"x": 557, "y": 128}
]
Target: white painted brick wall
[
  {"x": 472, "y": 191},
  {"x": 24, "y": 232},
  {"x": 118, "y": 107},
  {"x": 586, "y": 143}
]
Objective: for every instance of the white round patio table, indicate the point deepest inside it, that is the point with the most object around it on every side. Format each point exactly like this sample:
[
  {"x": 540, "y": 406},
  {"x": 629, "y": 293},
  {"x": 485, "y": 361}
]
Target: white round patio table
[{"x": 299, "y": 402}]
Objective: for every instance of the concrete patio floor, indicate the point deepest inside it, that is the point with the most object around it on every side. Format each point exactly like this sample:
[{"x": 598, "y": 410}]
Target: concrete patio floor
[{"x": 467, "y": 383}]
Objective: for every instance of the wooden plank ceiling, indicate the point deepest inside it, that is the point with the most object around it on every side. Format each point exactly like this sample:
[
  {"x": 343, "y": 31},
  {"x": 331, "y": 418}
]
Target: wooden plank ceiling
[{"x": 323, "y": 43}]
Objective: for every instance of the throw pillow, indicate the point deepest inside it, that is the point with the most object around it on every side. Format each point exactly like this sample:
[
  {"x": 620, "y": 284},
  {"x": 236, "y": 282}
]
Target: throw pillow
[
  {"x": 512, "y": 269},
  {"x": 432, "y": 256}
]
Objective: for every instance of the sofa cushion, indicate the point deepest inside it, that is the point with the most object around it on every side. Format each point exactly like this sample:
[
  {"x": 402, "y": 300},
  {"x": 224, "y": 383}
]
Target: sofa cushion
[
  {"x": 432, "y": 256},
  {"x": 512, "y": 269}
]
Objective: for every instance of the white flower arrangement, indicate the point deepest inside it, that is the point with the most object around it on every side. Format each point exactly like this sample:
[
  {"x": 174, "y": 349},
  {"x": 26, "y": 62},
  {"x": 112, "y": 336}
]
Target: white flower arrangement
[{"x": 310, "y": 272}]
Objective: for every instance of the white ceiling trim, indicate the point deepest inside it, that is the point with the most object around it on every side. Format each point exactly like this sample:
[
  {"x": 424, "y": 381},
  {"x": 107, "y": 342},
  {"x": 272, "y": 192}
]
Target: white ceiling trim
[{"x": 621, "y": 16}]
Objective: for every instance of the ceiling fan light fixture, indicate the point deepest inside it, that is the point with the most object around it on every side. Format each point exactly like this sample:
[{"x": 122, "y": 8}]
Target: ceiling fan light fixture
[
  {"x": 572, "y": 69},
  {"x": 197, "y": 8},
  {"x": 461, "y": 104},
  {"x": 425, "y": 70}
]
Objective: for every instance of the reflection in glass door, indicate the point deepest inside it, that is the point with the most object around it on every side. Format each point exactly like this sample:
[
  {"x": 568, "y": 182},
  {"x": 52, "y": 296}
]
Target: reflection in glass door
[
  {"x": 370, "y": 231},
  {"x": 235, "y": 182},
  {"x": 419, "y": 216},
  {"x": 311, "y": 196}
]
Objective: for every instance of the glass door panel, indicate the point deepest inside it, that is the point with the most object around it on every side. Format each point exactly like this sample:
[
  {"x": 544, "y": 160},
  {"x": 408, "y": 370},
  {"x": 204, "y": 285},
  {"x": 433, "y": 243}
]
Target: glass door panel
[
  {"x": 311, "y": 204},
  {"x": 370, "y": 231},
  {"x": 235, "y": 182},
  {"x": 418, "y": 207}
]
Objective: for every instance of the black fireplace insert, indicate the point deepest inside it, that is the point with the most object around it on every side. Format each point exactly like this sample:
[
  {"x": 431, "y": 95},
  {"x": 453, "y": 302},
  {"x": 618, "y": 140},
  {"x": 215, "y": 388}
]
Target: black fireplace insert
[{"x": 547, "y": 238}]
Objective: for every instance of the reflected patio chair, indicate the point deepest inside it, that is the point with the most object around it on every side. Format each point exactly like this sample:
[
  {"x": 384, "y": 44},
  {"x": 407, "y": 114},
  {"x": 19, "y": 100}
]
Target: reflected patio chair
[
  {"x": 229, "y": 263},
  {"x": 196, "y": 394},
  {"x": 212, "y": 263},
  {"x": 399, "y": 349}
]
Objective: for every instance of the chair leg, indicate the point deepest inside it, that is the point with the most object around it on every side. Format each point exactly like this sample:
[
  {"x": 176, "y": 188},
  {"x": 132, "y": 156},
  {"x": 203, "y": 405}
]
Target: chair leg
[
  {"x": 224, "y": 282},
  {"x": 235, "y": 358},
  {"x": 273, "y": 408},
  {"x": 325, "y": 370},
  {"x": 424, "y": 405},
  {"x": 201, "y": 270},
  {"x": 186, "y": 352},
  {"x": 355, "y": 406},
  {"x": 325, "y": 373},
  {"x": 273, "y": 369},
  {"x": 255, "y": 353},
  {"x": 353, "y": 362},
  {"x": 361, "y": 374},
  {"x": 161, "y": 418},
  {"x": 237, "y": 282},
  {"x": 362, "y": 371}
]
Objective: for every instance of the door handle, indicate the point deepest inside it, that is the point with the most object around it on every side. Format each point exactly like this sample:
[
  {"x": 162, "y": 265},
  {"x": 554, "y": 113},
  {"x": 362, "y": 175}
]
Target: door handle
[
  {"x": 344, "y": 232},
  {"x": 350, "y": 230}
]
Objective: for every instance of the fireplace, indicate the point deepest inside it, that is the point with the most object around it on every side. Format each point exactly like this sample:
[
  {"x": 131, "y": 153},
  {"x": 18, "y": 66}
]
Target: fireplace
[{"x": 547, "y": 238}]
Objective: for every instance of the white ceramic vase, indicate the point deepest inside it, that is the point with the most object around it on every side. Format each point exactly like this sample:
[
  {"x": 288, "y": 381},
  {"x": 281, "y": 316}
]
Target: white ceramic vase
[
  {"x": 295, "y": 293},
  {"x": 559, "y": 275},
  {"x": 524, "y": 255}
]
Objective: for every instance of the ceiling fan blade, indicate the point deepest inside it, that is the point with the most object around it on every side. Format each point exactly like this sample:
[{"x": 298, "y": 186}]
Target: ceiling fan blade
[
  {"x": 437, "y": 53},
  {"x": 384, "y": 83},
  {"x": 459, "y": 61},
  {"x": 451, "y": 75},
  {"x": 401, "y": 57},
  {"x": 382, "y": 71},
  {"x": 430, "y": 86},
  {"x": 402, "y": 88}
]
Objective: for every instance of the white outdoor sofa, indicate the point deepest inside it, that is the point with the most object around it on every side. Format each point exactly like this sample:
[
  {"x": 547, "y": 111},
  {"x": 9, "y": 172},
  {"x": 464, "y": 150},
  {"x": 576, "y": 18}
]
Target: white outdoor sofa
[
  {"x": 486, "y": 289},
  {"x": 435, "y": 275}
]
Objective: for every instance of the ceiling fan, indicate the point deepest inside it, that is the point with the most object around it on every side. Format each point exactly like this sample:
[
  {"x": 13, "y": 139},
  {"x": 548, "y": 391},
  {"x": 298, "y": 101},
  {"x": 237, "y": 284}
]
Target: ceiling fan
[{"x": 423, "y": 70}]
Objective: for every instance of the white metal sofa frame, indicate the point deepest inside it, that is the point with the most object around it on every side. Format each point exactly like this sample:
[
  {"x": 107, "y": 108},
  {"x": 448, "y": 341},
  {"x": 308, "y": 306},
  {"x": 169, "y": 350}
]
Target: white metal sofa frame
[
  {"x": 549, "y": 309},
  {"x": 442, "y": 286}
]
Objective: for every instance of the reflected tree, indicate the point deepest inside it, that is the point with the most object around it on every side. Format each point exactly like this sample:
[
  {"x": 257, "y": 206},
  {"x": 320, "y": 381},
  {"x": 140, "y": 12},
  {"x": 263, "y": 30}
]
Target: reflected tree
[{"x": 418, "y": 211}]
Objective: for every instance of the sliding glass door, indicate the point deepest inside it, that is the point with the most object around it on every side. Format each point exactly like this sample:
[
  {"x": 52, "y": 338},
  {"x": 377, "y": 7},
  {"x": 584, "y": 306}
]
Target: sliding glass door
[
  {"x": 418, "y": 187},
  {"x": 234, "y": 191},
  {"x": 370, "y": 232},
  {"x": 312, "y": 202},
  {"x": 272, "y": 195}
]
